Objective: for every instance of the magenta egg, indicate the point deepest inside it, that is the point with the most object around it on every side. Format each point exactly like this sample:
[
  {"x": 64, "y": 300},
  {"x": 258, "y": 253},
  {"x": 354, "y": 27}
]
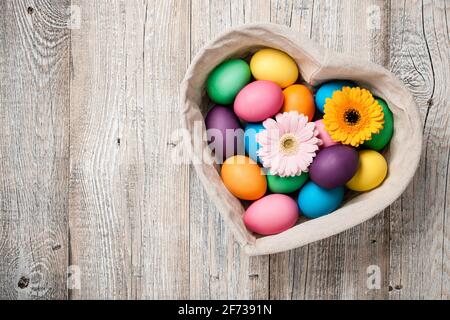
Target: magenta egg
[
  {"x": 258, "y": 101},
  {"x": 225, "y": 135},
  {"x": 334, "y": 166},
  {"x": 272, "y": 214},
  {"x": 323, "y": 135}
]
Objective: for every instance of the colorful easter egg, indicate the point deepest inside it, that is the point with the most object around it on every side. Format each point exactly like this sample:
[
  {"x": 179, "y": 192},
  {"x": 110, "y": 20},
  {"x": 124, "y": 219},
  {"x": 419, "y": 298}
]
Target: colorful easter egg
[
  {"x": 279, "y": 184},
  {"x": 327, "y": 89},
  {"x": 299, "y": 98},
  {"x": 274, "y": 65},
  {"x": 315, "y": 201},
  {"x": 251, "y": 146},
  {"x": 272, "y": 214},
  {"x": 224, "y": 132},
  {"x": 371, "y": 172},
  {"x": 381, "y": 139},
  {"x": 258, "y": 101},
  {"x": 227, "y": 79},
  {"x": 243, "y": 178},
  {"x": 323, "y": 135},
  {"x": 334, "y": 166}
]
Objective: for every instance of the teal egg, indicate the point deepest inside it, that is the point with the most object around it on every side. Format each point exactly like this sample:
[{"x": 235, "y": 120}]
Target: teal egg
[
  {"x": 226, "y": 80},
  {"x": 279, "y": 184},
  {"x": 251, "y": 146},
  {"x": 315, "y": 201},
  {"x": 381, "y": 139},
  {"x": 327, "y": 89}
]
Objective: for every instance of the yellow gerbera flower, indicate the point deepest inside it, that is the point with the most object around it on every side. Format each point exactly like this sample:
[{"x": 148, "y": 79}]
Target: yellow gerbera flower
[{"x": 352, "y": 115}]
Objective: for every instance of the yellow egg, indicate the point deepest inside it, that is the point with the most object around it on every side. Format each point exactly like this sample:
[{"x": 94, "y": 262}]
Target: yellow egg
[
  {"x": 371, "y": 172},
  {"x": 274, "y": 65}
]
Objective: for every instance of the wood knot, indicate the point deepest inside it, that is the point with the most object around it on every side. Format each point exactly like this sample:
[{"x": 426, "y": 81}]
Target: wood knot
[
  {"x": 30, "y": 10},
  {"x": 23, "y": 282}
]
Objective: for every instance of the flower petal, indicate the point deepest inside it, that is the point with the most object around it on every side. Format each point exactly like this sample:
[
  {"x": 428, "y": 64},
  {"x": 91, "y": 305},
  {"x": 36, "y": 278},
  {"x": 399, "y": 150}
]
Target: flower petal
[
  {"x": 270, "y": 124},
  {"x": 371, "y": 116}
]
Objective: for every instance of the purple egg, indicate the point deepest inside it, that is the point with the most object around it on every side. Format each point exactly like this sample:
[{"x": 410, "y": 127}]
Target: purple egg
[
  {"x": 334, "y": 166},
  {"x": 225, "y": 135}
]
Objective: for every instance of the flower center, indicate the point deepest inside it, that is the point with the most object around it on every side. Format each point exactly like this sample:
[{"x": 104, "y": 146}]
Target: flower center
[
  {"x": 288, "y": 144},
  {"x": 352, "y": 116}
]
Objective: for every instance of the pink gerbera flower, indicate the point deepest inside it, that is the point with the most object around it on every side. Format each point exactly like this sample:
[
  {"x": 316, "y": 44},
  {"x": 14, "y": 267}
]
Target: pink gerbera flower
[{"x": 288, "y": 145}]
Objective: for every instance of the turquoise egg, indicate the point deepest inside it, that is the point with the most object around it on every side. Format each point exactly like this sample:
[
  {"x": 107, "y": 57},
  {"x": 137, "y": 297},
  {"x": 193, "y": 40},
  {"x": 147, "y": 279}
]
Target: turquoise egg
[
  {"x": 315, "y": 201},
  {"x": 327, "y": 89},
  {"x": 251, "y": 146}
]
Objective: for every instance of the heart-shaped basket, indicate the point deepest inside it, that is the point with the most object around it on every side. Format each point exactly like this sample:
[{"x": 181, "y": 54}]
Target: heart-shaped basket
[{"x": 316, "y": 65}]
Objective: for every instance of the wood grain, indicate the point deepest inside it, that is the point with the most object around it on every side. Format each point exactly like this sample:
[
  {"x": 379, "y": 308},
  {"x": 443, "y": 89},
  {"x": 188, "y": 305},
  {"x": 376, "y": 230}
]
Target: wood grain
[
  {"x": 419, "y": 55},
  {"x": 128, "y": 220},
  {"x": 166, "y": 262},
  {"x": 98, "y": 229},
  {"x": 34, "y": 149},
  {"x": 87, "y": 116}
]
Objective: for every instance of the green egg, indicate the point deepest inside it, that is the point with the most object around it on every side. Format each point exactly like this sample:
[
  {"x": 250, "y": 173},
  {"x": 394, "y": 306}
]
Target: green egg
[
  {"x": 279, "y": 184},
  {"x": 381, "y": 139},
  {"x": 227, "y": 79}
]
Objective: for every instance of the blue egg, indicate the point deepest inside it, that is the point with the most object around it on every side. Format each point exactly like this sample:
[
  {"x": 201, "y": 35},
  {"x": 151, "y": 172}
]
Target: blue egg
[
  {"x": 315, "y": 201},
  {"x": 327, "y": 89},
  {"x": 251, "y": 146}
]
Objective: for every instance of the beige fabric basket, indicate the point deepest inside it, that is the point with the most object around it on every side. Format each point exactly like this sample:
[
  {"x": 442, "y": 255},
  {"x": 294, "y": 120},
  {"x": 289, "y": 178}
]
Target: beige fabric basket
[{"x": 316, "y": 65}]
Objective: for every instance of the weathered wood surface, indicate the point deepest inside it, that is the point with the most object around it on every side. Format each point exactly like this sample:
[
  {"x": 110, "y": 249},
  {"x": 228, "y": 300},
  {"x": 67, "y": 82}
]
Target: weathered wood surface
[
  {"x": 34, "y": 149},
  {"x": 88, "y": 191}
]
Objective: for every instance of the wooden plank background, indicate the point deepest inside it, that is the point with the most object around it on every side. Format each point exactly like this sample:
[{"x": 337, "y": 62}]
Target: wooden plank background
[{"x": 91, "y": 205}]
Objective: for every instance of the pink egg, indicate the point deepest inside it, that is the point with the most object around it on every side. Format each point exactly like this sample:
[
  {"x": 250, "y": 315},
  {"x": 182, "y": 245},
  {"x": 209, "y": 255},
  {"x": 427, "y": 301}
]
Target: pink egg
[
  {"x": 258, "y": 101},
  {"x": 323, "y": 135},
  {"x": 272, "y": 214}
]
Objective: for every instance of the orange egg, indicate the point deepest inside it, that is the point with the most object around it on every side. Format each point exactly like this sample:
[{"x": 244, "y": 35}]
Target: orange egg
[
  {"x": 299, "y": 98},
  {"x": 244, "y": 178}
]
